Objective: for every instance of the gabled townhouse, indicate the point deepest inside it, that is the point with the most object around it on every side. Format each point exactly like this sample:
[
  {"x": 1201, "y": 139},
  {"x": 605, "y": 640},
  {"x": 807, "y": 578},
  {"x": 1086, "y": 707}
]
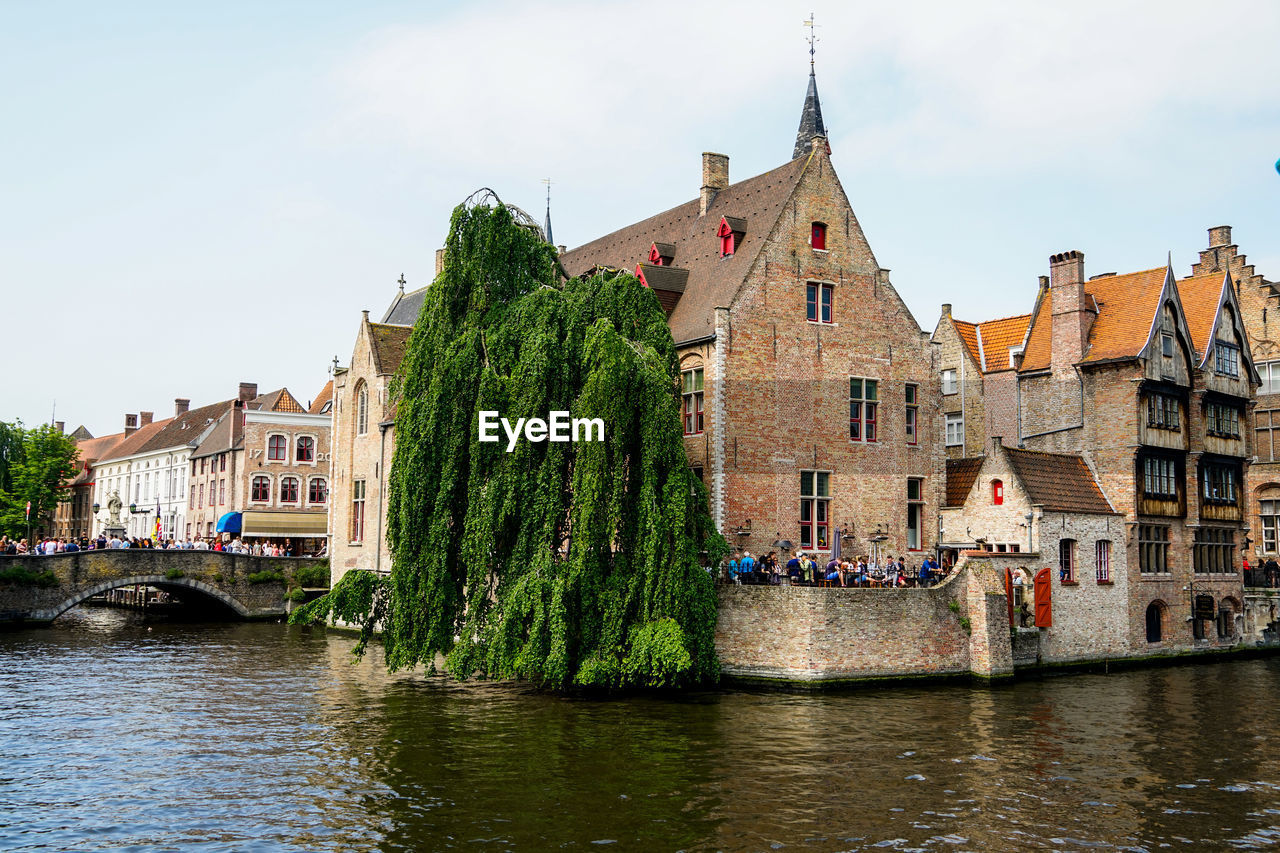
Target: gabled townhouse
[
  {"x": 1150, "y": 379},
  {"x": 977, "y": 369},
  {"x": 262, "y": 473}
]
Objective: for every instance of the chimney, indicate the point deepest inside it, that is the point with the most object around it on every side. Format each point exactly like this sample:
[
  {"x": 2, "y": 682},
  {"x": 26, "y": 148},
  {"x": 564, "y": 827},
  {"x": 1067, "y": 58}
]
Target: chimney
[
  {"x": 1071, "y": 316},
  {"x": 946, "y": 309},
  {"x": 130, "y": 424},
  {"x": 146, "y": 418},
  {"x": 715, "y": 177},
  {"x": 439, "y": 261},
  {"x": 248, "y": 390},
  {"x": 60, "y": 426},
  {"x": 181, "y": 406},
  {"x": 1219, "y": 235}
]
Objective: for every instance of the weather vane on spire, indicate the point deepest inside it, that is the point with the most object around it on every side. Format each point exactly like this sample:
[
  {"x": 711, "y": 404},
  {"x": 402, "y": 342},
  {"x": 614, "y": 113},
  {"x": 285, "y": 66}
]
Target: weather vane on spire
[
  {"x": 812, "y": 39},
  {"x": 546, "y": 227}
]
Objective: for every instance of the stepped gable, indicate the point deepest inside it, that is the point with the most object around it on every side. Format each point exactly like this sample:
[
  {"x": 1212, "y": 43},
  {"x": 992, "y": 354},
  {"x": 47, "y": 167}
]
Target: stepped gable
[
  {"x": 1059, "y": 482},
  {"x": 1126, "y": 306},
  {"x": 713, "y": 281},
  {"x": 960, "y": 476},
  {"x": 388, "y": 344}
]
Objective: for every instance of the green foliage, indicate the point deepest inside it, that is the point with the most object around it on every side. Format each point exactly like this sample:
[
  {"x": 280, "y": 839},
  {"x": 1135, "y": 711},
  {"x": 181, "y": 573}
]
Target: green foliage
[
  {"x": 265, "y": 577},
  {"x": 953, "y": 606},
  {"x": 218, "y": 578},
  {"x": 296, "y": 594},
  {"x": 359, "y": 598},
  {"x": 173, "y": 574},
  {"x": 485, "y": 569},
  {"x": 312, "y": 576},
  {"x": 966, "y": 624},
  {"x": 34, "y": 463},
  {"x": 23, "y": 576}
]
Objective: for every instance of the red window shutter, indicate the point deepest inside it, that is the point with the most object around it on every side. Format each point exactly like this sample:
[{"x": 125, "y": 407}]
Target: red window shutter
[
  {"x": 1044, "y": 603},
  {"x": 725, "y": 233},
  {"x": 640, "y": 275},
  {"x": 654, "y": 257},
  {"x": 997, "y": 492}
]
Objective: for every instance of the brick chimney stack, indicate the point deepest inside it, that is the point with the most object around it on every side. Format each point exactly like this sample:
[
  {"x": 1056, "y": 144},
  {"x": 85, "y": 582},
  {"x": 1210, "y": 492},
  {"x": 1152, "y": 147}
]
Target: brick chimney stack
[
  {"x": 1072, "y": 316},
  {"x": 1219, "y": 235},
  {"x": 715, "y": 177},
  {"x": 439, "y": 261},
  {"x": 181, "y": 405},
  {"x": 60, "y": 426},
  {"x": 130, "y": 424},
  {"x": 146, "y": 418},
  {"x": 248, "y": 391}
]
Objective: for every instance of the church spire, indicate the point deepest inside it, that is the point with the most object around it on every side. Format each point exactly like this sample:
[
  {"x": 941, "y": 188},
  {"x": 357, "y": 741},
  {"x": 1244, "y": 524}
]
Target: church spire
[
  {"x": 546, "y": 226},
  {"x": 811, "y": 116}
]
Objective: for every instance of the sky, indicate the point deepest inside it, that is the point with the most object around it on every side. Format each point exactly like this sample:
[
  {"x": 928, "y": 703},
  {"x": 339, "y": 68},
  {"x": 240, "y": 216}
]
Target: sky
[{"x": 195, "y": 195}]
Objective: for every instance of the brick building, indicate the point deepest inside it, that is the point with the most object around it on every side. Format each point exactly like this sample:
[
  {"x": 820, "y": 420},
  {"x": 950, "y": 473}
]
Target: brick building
[
  {"x": 1150, "y": 379},
  {"x": 809, "y": 391},
  {"x": 978, "y": 378},
  {"x": 262, "y": 471},
  {"x": 1050, "y": 508},
  {"x": 363, "y": 429}
]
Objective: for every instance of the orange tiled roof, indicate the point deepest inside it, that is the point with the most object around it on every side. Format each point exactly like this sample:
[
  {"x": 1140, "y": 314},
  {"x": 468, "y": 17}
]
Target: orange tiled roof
[
  {"x": 325, "y": 395},
  {"x": 1200, "y": 296},
  {"x": 988, "y": 342},
  {"x": 1126, "y": 308}
]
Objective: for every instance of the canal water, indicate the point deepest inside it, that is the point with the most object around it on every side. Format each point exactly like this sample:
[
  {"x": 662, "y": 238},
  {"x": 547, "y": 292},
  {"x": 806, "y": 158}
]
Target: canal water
[{"x": 119, "y": 735}]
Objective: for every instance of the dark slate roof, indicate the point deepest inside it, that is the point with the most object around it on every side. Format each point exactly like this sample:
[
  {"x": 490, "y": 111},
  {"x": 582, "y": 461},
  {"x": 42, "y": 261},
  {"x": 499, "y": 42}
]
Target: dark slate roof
[
  {"x": 388, "y": 344},
  {"x": 810, "y": 120},
  {"x": 219, "y": 440},
  {"x": 183, "y": 429},
  {"x": 713, "y": 280},
  {"x": 404, "y": 310},
  {"x": 960, "y": 476},
  {"x": 1059, "y": 482}
]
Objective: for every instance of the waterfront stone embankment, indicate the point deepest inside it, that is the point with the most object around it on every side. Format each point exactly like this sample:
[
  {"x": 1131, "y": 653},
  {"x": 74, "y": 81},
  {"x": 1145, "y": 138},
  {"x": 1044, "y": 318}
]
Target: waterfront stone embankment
[{"x": 251, "y": 587}]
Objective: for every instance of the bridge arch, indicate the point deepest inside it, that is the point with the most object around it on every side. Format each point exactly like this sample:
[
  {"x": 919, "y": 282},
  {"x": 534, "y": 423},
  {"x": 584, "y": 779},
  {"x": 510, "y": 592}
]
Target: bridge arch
[{"x": 213, "y": 592}]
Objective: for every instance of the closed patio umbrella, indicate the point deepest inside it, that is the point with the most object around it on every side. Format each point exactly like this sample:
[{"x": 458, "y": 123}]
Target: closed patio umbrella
[{"x": 835, "y": 544}]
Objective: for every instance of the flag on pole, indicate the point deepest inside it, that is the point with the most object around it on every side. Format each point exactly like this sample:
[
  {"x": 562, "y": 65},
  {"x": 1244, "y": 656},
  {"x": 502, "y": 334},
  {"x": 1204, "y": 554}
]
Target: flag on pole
[
  {"x": 155, "y": 537},
  {"x": 28, "y": 510}
]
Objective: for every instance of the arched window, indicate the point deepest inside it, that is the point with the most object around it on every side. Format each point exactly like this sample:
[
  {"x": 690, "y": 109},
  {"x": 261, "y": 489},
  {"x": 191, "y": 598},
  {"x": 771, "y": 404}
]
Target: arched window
[
  {"x": 276, "y": 445},
  {"x": 997, "y": 492},
  {"x": 317, "y": 491},
  {"x": 362, "y": 409},
  {"x": 306, "y": 449},
  {"x": 1155, "y": 621},
  {"x": 261, "y": 492},
  {"x": 288, "y": 490}
]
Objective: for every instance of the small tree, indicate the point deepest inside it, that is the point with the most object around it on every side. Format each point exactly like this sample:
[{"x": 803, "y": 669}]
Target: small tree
[{"x": 45, "y": 460}]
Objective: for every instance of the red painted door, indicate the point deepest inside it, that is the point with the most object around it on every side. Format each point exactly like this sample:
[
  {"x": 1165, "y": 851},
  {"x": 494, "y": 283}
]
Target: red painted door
[{"x": 1044, "y": 603}]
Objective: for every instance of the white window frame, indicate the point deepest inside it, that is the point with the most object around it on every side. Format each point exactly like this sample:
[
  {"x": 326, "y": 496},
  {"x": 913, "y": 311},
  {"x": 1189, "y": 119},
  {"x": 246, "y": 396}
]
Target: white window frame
[
  {"x": 271, "y": 489},
  {"x": 287, "y": 448},
  {"x": 953, "y": 422},
  {"x": 950, "y": 381},
  {"x": 311, "y": 479},
  {"x": 315, "y": 448}
]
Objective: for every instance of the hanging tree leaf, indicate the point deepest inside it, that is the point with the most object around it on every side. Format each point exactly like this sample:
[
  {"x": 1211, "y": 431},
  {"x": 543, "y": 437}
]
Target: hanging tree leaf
[{"x": 567, "y": 564}]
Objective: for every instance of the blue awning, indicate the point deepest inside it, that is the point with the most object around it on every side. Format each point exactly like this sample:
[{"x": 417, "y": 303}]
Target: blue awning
[{"x": 229, "y": 523}]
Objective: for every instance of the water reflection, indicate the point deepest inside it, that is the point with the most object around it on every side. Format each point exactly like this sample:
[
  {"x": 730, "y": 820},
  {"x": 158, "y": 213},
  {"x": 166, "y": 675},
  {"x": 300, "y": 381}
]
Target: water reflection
[{"x": 119, "y": 733}]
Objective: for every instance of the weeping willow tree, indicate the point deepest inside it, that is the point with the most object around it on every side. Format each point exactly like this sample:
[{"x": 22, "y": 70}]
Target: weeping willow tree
[{"x": 566, "y": 564}]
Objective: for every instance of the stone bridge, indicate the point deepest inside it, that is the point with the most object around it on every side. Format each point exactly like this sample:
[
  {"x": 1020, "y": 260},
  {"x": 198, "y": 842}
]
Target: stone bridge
[{"x": 251, "y": 587}]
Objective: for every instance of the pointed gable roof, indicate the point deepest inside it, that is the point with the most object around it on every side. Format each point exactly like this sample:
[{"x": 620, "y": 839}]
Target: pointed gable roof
[
  {"x": 404, "y": 310},
  {"x": 810, "y": 120},
  {"x": 960, "y": 476},
  {"x": 1059, "y": 482},
  {"x": 1126, "y": 306},
  {"x": 989, "y": 341},
  {"x": 1202, "y": 297},
  {"x": 713, "y": 281},
  {"x": 388, "y": 345},
  {"x": 325, "y": 396}
]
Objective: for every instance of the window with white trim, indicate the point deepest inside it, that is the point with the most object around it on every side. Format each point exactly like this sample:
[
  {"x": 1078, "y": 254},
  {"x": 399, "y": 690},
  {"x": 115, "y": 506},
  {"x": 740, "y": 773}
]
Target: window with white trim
[
  {"x": 818, "y": 300},
  {"x": 260, "y": 490},
  {"x": 1067, "y": 560},
  {"x": 691, "y": 396},
  {"x": 915, "y": 512},
  {"x": 288, "y": 490},
  {"x": 949, "y": 383},
  {"x": 306, "y": 449},
  {"x": 1269, "y": 515},
  {"x": 357, "y": 511},
  {"x": 277, "y": 448},
  {"x": 317, "y": 491},
  {"x": 954, "y": 429},
  {"x": 1103, "y": 560}
]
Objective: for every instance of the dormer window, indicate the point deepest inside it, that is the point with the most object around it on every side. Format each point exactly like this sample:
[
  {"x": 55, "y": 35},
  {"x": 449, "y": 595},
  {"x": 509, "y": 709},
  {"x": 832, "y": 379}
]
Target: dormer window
[
  {"x": 730, "y": 234},
  {"x": 818, "y": 236},
  {"x": 726, "y": 239},
  {"x": 662, "y": 254},
  {"x": 1226, "y": 359},
  {"x": 640, "y": 275}
]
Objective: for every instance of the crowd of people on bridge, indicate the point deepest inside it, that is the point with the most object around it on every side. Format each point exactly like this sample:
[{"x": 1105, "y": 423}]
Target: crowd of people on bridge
[
  {"x": 50, "y": 545},
  {"x": 806, "y": 568}
]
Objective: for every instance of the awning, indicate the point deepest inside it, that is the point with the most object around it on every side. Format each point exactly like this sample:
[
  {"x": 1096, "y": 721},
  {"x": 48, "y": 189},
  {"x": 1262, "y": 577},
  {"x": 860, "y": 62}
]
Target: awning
[
  {"x": 229, "y": 523},
  {"x": 308, "y": 524}
]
